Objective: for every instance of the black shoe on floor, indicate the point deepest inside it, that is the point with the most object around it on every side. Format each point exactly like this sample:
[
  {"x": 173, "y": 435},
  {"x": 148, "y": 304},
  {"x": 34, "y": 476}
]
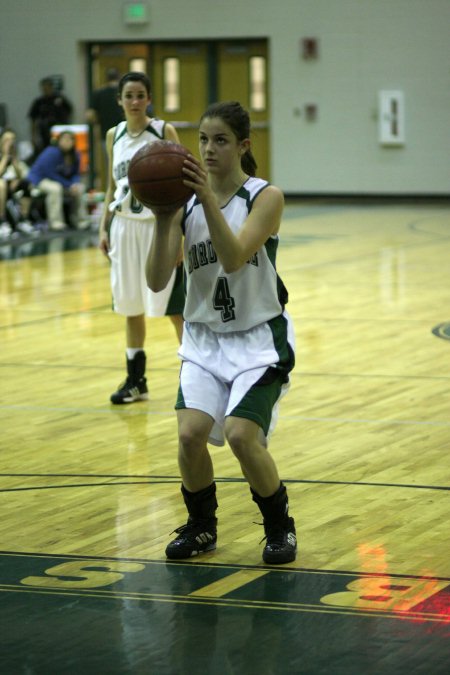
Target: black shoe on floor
[
  {"x": 197, "y": 536},
  {"x": 281, "y": 543},
  {"x": 130, "y": 391}
]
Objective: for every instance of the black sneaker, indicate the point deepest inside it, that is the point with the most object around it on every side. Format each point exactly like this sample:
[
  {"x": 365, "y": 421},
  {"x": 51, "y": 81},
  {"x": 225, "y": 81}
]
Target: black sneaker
[
  {"x": 130, "y": 391},
  {"x": 281, "y": 543},
  {"x": 197, "y": 536}
]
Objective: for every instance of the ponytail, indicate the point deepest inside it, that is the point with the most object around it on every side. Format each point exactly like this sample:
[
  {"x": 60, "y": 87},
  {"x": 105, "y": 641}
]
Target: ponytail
[
  {"x": 238, "y": 119},
  {"x": 248, "y": 163}
]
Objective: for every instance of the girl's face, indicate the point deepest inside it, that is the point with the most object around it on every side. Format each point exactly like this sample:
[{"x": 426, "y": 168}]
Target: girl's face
[
  {"x": 220, "y": 150},
  {"x": 66, "y": 142},
  {"x": 134, "y": 99}
]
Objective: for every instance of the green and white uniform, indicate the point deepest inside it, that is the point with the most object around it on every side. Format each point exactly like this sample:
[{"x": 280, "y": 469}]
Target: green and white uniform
[
  {"x": 124, "y": 148},
  {"x": 131, "y": 235},
  {"x": 237, "y": 336}
]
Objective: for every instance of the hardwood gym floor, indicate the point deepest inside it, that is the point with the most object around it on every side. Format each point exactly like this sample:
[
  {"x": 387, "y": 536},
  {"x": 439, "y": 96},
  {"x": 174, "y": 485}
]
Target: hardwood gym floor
[{"x": 90, "y": 493}]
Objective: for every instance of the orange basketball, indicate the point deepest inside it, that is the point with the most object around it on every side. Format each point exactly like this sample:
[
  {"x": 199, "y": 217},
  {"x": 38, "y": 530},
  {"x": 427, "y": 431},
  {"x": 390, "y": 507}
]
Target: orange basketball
[{"x": 155, "y": 176}]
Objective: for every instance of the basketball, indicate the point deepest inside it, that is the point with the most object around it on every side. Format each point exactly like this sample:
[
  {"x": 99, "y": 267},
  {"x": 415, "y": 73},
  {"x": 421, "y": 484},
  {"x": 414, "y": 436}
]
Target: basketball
[{"x": 155, "y": 176}]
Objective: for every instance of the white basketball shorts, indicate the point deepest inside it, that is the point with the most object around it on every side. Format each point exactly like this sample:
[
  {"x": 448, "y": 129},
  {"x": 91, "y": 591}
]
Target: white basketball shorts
[
  {"x": 130, "y": 241},
  {"x": 222, "y": 373}
]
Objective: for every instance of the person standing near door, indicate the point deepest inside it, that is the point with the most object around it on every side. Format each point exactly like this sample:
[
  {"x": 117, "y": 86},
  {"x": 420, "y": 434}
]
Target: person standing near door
[
  {"x": 49, "y": 109},
  {"x": 126, "y": 231},
  {"x": 104, "y": 113},
  {"x": 237, "y": 349}
]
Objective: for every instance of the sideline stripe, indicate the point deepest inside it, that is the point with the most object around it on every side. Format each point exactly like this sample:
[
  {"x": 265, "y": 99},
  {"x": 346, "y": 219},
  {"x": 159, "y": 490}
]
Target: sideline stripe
[{"x": 192, "y": 564}]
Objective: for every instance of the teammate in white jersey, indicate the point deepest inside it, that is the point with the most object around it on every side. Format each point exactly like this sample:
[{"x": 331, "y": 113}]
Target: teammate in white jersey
[
  {"x": 126, "y": 231},
  {"x": 238, "y": 344}
]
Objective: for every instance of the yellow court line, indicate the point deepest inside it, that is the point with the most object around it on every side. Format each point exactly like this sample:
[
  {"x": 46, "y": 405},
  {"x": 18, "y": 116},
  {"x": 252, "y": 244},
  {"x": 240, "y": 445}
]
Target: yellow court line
[{"x": 229, "y": 583}]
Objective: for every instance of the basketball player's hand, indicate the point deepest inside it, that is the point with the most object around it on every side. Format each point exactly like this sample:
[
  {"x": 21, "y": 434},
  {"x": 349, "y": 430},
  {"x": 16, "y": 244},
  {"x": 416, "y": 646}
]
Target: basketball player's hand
[
  {"x": 103, "y": 242},
  {"x": 196, "y": 178}
]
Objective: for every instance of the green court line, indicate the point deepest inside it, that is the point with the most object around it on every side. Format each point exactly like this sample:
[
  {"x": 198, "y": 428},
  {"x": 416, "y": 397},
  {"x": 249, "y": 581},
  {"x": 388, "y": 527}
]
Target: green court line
[{"x": 229, "y": 602}]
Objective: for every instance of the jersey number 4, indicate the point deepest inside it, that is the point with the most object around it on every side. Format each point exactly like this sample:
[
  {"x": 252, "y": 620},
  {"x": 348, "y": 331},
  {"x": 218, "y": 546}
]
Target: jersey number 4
[{"x": 223, "y": 300}]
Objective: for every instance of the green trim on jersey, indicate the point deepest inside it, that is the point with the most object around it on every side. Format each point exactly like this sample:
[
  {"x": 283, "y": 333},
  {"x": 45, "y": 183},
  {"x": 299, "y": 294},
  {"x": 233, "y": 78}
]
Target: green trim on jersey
[
  {"x": 271, "y": 247},
  {"x": 176, "y": 300},
  {"x": 245, "y": 194},
  {"x": 124, "y": 130}
]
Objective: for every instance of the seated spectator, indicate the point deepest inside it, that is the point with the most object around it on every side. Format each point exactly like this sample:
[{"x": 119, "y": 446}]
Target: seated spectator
[
  {"x": 56, "y": 173},
  {"x": 14, "y": 188}
]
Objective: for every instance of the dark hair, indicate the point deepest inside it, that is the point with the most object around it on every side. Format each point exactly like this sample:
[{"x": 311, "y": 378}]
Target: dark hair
[
  {"x": 135, "y": 77},
  {"x": 238, "y": 119},
  {"x": 72, "y": 153},
  {"x": 112, "y": 74}
]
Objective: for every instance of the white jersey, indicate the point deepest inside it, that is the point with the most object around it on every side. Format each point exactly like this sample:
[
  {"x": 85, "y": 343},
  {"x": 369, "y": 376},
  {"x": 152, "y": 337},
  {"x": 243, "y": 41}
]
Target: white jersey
[
  {"x": 239, "y": 300},
  {"x": 123, "y": 149}
]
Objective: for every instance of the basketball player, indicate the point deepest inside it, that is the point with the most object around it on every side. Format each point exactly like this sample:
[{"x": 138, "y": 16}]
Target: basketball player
[
  {"x": 126, "y": 231},
  {"x": 238, "y": 347}
]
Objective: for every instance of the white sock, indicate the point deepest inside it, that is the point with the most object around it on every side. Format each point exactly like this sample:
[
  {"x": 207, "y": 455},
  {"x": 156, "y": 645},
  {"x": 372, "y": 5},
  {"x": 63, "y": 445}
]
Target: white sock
[{"x": 132, "y": 351}]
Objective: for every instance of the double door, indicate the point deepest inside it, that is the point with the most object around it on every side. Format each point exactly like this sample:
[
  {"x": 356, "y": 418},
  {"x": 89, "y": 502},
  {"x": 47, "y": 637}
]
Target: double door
[{"x": 187, "y": 76}]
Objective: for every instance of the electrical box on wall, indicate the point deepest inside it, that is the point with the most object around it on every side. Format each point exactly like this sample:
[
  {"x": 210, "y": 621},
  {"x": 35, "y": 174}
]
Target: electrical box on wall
[{"x": 391, "y": 116}]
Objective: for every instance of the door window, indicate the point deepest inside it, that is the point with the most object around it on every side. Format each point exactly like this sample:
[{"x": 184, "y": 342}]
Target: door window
[
  {"x": 257, "y": 73},
  {"x": 171, "y": 84}
]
